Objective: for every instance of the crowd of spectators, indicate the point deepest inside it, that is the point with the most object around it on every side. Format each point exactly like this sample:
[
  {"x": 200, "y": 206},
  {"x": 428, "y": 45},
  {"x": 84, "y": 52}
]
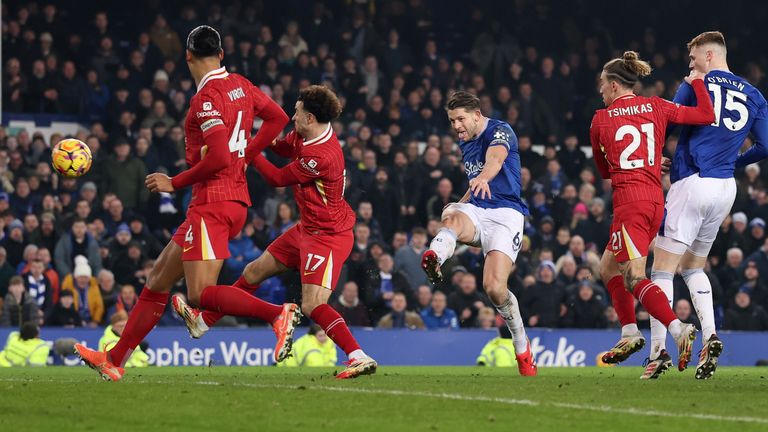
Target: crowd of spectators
[{"x": 72, "y": 252}]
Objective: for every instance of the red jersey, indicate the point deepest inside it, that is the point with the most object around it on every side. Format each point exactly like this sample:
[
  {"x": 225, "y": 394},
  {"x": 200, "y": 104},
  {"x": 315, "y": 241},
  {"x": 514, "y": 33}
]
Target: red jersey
[
  {"x": 231, "y": 102},
  {"x": 628, "y": 137},
  {"x": 318, "y": 164}
]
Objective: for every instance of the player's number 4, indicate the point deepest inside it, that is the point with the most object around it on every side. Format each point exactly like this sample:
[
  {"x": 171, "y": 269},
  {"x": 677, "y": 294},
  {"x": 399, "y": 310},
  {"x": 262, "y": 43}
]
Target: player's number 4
[
  {"x": 734, "y": 101},
  {"x": 237, "y": 141},
  {"x": 624, "y": 159}
]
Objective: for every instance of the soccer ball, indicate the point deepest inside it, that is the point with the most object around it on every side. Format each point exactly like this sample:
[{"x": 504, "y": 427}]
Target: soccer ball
[{"x": 71, "y": 158}]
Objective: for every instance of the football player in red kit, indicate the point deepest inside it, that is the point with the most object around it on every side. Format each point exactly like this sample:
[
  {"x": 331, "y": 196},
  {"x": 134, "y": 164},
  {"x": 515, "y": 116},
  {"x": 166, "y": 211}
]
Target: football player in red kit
[
  {"x": 627, "y": 139},
  {"x": 320, "y": 243},
  {"x": 218, "y": 144}
]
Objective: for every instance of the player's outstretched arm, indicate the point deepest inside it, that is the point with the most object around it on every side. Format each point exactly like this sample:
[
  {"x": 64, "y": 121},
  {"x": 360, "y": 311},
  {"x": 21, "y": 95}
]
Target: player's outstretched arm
[
  {"x": 758, "y": 151},
  {"x": 215, "y": 160},
  {"x": 274, "y": 120},
  {"x": 494, "y": 160},
  {"x": 703, "y": 113},
  {"x": 297, "y": 172}
]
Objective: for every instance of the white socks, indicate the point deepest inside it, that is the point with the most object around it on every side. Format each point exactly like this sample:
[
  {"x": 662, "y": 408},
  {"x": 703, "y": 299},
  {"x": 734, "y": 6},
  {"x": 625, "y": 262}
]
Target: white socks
[
  {"x": 658, "y": 331},
  {"x": 444, "y": 244},
  {"x": 510, "y": 311},
  {"x": 701, "y": 295},
  {"x": 357, "y": 354},
  {"x": 629, "y": 330}
]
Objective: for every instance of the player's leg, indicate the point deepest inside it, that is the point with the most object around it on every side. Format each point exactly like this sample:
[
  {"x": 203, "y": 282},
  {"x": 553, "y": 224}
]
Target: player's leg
[
  {"x": 458, "y": 226},
  {"x": 639, "y": 224},
  {"x": 256, "y": 272},
  {"x": 666, "y": 257},
  {"x": 145, "y": 315},
  {"x": 623, "y": 301},
  {"x": 498, "y": 266},
  {"x": 700, "y": 288}
]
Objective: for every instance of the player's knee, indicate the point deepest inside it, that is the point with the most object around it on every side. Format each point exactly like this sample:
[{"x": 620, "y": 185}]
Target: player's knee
[
  {"x": 307, "y": 307},
  {"x": 494, "y": 286},
  {"x": 250, "y": 271}
]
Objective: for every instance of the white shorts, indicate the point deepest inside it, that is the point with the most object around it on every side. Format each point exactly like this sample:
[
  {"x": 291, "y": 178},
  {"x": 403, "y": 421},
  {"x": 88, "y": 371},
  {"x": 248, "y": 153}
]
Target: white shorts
[
  {"x": 498, "y": 229},
  {"x": 695, "y": 209}
]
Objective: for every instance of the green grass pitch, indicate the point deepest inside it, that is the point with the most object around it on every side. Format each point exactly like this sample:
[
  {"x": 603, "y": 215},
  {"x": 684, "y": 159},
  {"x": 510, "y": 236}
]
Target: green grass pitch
[{"x": 395, "y": 399}]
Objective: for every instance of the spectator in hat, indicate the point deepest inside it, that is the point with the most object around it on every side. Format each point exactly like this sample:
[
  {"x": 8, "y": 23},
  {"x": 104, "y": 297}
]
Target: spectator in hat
[
  {"x": 150, "y": 245},
  {"x": 760, "y": 258},
  {"x": 585, "y": 310},
  {"x": 745, "y": 315},
  {"x": 400, "y": 317},
  {"x": 77, "y": 242},
  {"x": 14, "y": 243},
  {"x": 756, "y": 234},
  {"x": 545, "y": 235},
  {"x": 580, "y": 213},
  {"x": 63, "y": 313},
  {"x": 596, "y": 227},
  {"x": 543, "y": 303},
  {"x": 18, "y": 305},
  {"x": 124, "y": 176},
  {"x": 89, "y": 193},
  {"x": 87, "y": 296},
  {"x": 128, "y": 268}
]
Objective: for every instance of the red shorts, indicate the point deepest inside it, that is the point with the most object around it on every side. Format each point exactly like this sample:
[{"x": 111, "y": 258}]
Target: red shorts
[
  {"x": 634, "y": 227},
  {"x": 206, "y": 231},
  {"x": 318, "y": 257}
]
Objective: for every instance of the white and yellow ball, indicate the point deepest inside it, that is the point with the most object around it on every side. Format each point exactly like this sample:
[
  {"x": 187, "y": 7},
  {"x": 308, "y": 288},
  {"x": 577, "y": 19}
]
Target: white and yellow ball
[{"x": 71, "y": 158}]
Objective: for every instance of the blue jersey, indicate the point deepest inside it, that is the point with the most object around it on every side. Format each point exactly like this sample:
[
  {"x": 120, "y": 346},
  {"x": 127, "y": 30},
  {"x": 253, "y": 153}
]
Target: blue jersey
[
  {"x": 712, "y": 150},
  {"x": 505, "y": 187}
]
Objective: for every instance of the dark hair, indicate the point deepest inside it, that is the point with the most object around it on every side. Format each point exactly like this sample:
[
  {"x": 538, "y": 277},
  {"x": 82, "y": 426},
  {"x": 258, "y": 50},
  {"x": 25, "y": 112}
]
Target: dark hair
[
  {"x": 714, "y": 37},
  {"x": 15, "y": 280},
  {"x": 463, "y": 99},
  {"x": 29, "y": 331},
  {"x": 321, "y": 102},
  {"x": 419, "y": 230},
  {"x": 628, "y": 69},
  {"x": 204, "y": 41}
]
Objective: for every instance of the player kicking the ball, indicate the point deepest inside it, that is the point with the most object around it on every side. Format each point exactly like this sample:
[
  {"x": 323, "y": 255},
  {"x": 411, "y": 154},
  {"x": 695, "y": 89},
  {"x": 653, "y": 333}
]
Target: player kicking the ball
[
  {"x": 703, "y": 190},
  {"x": 490, "y": 215},
  {"x": 320, "y": 243},
  {"x": 627, "y": 139},
  {"x": 217, "y": 130}
]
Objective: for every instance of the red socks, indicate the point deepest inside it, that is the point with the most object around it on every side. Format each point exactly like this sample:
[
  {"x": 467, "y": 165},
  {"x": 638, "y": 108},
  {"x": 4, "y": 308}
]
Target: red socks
[
  {"x": 228, "y": 300},
  {"x": 653, "y": 299},
  {"x": 622, "y": 301},
  {"x": 143, "y": 318},
  {"x": 335, "y": 327},
  {"x": 210, "y": 317}
]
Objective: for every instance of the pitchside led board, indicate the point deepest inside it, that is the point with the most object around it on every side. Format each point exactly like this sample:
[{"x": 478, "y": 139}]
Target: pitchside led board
[{"x": 172, "y": 346}]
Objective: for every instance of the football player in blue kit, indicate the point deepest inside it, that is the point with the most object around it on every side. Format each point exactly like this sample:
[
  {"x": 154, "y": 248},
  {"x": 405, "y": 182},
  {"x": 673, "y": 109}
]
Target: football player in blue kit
[
  {"x": 491, "y": 214},
  {"x": 703, "y": 191}
]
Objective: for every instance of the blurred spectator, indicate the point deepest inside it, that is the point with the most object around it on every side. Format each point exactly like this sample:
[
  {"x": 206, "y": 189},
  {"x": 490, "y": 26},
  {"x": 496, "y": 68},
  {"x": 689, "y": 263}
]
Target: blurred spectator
[
  {"x": 585, "y": 310},
  {"x": 423, "y": 298},
  {"x": 106, "y": 281},
  {"x": 77, "y": 242},
  {"x": 87, "y": 296},
  {"x": 6, "y": 273},
  {"x": 684, "y": 312},
  {"x": 350, "y": 307},
  {"x": 543, "y": 304},
  {"x": 124, "y": 176},
  {"x": 25, "y": 348},
  {"x": 408, "y": 258},
  {"x": 499, "y": 351},
  {"x": 467, "y": 301},
  {"x": 438, "y": 316},
  {"x": 14, "y": 243},
  {"x": 399, "y": 317},
  {"x": 117, "y": 321},
  {"x": 63, "y": 313},
  {"x": 38, "y": 286},
  {"x": 744, "y": 315},
  {"x": 19, "y": 306},
  {"x": 382, "y": 285},
  {"x": 314, "y": 349}
]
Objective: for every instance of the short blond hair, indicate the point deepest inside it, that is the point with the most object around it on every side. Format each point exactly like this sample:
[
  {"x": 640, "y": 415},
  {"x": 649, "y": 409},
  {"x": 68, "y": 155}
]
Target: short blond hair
[{"x": 710, "y": 37}]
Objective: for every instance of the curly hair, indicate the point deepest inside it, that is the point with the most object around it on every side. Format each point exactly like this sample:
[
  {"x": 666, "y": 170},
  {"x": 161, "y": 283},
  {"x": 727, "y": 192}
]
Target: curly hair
[{"x": 321, "y": 102}]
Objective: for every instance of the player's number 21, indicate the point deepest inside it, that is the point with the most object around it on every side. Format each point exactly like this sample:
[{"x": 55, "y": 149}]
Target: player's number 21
[{"x": 624, "y": 159}]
